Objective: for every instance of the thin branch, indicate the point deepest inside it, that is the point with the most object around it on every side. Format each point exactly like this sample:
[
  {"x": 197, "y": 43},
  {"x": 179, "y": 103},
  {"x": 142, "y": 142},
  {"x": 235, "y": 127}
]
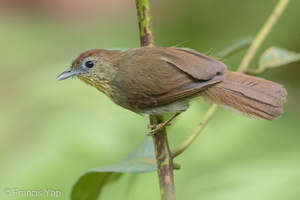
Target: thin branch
[
  {"x": 196, "y": 131},
  {"x": 261, "y": 36},
  {"x": 164, "y": 159}
]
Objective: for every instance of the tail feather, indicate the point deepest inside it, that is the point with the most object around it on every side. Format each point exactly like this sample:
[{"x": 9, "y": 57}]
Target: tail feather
[{"x": 252, "y": 96}]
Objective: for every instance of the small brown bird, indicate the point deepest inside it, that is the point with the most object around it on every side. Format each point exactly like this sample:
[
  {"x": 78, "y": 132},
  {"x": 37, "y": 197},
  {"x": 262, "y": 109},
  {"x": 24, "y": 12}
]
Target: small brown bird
[{"x": 161, "y": 80}]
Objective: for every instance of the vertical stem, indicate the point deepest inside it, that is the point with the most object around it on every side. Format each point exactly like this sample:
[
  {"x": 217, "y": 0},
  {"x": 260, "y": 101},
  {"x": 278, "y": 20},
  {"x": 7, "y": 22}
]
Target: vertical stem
[
  {"x": 164, "y": 159},
  {"x": 145, "y": 22}
]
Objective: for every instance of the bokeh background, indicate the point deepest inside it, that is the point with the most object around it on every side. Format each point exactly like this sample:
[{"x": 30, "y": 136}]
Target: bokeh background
[{"x": 53, "y": 132}]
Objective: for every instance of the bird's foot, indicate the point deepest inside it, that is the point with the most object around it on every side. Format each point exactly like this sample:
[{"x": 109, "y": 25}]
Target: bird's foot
[{"x": 158, "y": 127}]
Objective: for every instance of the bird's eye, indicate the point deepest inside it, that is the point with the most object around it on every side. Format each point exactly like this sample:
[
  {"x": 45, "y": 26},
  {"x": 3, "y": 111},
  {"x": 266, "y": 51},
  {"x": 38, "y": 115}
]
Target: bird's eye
[{"x": 89, "y": 64}]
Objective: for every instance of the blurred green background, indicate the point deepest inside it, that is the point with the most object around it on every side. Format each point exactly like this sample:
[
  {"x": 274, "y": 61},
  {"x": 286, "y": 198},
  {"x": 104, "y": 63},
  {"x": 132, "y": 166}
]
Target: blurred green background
[{"x": 53, "y": 132}]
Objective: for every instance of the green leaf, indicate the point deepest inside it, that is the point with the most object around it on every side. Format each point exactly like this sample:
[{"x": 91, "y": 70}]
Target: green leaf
[
  {"x": 276, "y": 57},
  {"x": 90, "y": 185},
  {"x": 140, "y": 160},
  {"x": 235, "y": 46}
]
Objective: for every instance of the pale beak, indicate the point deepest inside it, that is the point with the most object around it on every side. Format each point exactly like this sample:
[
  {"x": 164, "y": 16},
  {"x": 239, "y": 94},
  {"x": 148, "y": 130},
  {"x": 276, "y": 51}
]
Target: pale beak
[{"x": 67, "y": 74}]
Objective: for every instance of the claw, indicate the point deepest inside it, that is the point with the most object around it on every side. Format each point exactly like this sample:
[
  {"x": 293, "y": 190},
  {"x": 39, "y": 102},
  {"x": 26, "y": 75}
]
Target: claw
[{"x": 157, "y": 127}]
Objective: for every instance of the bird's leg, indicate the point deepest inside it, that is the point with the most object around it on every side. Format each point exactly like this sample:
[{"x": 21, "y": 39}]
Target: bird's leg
[{"x": 157, "y": 127}]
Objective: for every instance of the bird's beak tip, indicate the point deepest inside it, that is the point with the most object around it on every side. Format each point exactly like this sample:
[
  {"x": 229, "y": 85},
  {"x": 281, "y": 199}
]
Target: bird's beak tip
[
  {"x": 58, "y": 79},
  {"x": 61, "y": 77},
  {"x": 66, "y": 74}
]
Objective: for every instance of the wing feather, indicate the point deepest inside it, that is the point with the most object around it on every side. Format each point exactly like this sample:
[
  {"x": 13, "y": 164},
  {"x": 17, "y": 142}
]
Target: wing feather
[{"x": 197, "y": 65}]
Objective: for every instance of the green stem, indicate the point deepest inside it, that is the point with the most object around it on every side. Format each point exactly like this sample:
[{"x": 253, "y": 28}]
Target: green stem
[
  {"x": 262, "y": 34},
  {"x": 195, "y": 132},
  {"x": 145, "y": 22},
  {"x": 164, "y": 158}
]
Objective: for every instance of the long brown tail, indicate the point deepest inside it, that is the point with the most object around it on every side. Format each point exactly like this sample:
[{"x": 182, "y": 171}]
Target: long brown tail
[{"x": 252, "y": 96}]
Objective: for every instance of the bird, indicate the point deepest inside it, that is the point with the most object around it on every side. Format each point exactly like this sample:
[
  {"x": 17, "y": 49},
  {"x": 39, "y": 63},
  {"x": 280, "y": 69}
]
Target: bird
[{"x": 162, "y": 80}]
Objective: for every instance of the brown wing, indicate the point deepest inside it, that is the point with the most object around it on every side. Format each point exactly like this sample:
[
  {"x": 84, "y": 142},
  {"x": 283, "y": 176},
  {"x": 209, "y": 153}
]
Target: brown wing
[
  {"x": 188, "y": 73},
  {"x": 195, "y": 64}
]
